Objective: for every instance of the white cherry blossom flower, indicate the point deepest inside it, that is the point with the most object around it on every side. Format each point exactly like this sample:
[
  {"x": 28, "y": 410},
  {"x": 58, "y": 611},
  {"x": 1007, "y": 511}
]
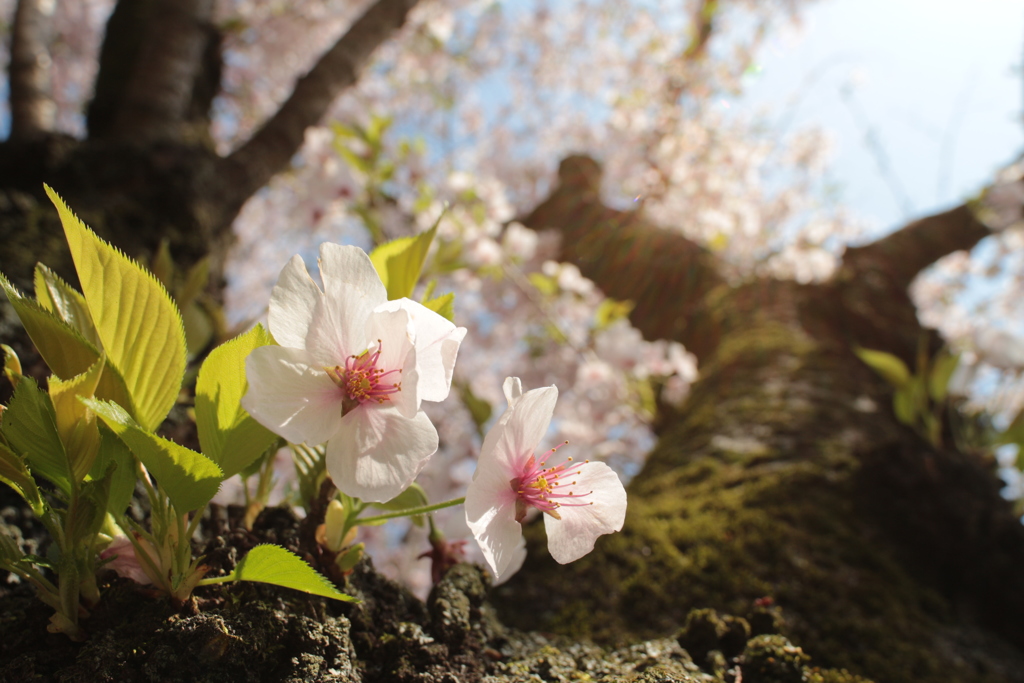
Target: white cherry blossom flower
[
  {"x": 580, "y": 500},
  {"x": 351, "y": 370}
]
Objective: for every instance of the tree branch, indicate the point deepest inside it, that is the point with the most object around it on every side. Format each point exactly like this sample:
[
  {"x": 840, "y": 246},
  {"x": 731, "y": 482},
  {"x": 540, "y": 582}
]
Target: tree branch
[
  {"x": 32, "y": 108},
  {"x": 667, "y": 276},
  {"x": 899, "y": 257},
  {"x": 271, "y": 148}
]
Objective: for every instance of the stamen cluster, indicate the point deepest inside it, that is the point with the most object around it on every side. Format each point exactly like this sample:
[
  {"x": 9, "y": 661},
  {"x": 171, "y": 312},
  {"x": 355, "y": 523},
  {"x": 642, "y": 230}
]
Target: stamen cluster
[
  {"x": 362, "y": 380},
  {"x": 546, "y": 488}
]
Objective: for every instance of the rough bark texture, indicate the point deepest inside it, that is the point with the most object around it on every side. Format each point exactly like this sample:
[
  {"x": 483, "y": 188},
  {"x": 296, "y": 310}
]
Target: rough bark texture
[
  {"x": 255, "y": 632},
  {"x": 787, "y": 476}
]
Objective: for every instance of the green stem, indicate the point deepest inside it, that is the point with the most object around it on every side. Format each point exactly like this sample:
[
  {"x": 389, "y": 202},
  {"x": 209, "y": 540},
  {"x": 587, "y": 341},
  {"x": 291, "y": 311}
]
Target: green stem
[
  {"x": 266, "y": 480},
  {"x": 411, "y": 512},
  {"x": 197, "y": 517},
  {"x": 217, "y": 579}
]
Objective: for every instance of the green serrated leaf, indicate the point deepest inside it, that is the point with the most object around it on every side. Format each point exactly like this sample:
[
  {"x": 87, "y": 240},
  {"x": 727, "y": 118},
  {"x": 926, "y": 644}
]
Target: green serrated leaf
[
  {"x": 443, "y": 305},
  {"x": 89, "y": 510},
  {"x": 228, "y": 435},
  {"x": 938, "y": 379},
  {"x": 188, "y": 478},
  {"x": 122, "y": 483},
  {"x": 400, "y": 262},
  {"x": 273, "y": 564},
  {"x": 30, "y": 427},
  {"x": 12, "y": 365},
  {"x": 60, "y": 298},
  {"x": 66, "y": 352},
  {"x": 135, "y": 318},
  {"x": 15, "y": 473},
  {"x": 892, "y": 369},
  {"x": 76, "y": 424}
]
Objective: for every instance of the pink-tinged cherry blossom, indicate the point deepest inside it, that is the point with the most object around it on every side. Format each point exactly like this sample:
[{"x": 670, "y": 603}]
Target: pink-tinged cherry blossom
[
  {"x": 120, "y": 556},
  {"x": 351, "y": 370},
  {"x": 580, "y": 500}
]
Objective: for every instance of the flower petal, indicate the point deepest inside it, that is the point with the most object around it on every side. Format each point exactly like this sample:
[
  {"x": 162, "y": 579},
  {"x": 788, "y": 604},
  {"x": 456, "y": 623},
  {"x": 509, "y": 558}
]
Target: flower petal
[
  {"x": 491, "y": 516},
  {"x": 437, "y": 345},
  {"x": 533, "y": 411},
  {"x": 377, "y": 453},
  {"x": 574, "y": 535},
  {"x": 513, "y": 388},
  {"x": 291, "y": 395},
  {"x": 292, "y": 303},
  {"x": 518, "y": 432},
  {"x": 345, "y": 267},
  {"x": 394, "y": 330},
  {"x": 338, "y": 328},
  {"x": 515, "y": 564},
  {"x": 525, "y": 427}
]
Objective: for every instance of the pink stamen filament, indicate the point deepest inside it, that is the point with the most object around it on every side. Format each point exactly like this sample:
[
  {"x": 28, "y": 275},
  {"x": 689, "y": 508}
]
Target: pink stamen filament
[
  {"x": 362, "y": 381},
  {"x": 547, "y": 488}
]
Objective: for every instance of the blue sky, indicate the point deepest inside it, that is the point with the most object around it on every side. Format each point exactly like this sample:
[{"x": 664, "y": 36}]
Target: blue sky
[{"x": 936, "y": 83}]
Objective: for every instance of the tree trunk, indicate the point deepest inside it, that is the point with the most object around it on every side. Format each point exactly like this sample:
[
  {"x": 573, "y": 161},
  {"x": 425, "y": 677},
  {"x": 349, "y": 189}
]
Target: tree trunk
[
  {"x": 787, "y": 476},
  {"x": 147, "y": 171}
]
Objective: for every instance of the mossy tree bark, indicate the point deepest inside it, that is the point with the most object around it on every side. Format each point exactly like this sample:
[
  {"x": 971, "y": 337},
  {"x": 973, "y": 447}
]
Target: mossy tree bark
[{"x": 786, "y": 474}]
